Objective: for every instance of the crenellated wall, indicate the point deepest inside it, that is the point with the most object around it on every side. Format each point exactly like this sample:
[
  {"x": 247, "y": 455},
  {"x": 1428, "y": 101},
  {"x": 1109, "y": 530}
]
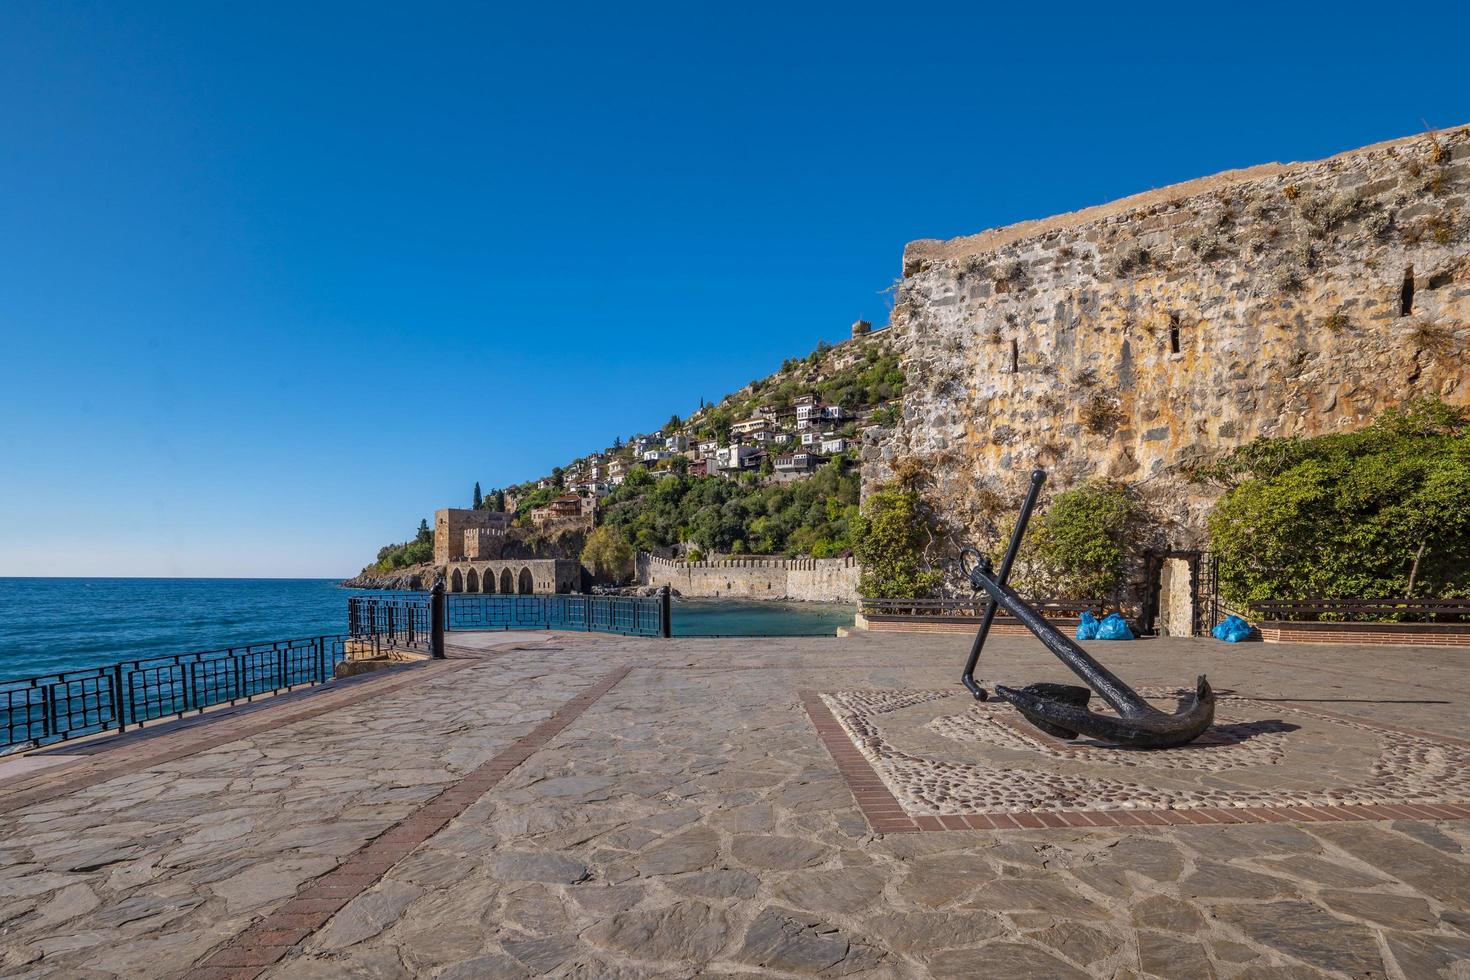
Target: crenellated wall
[
  {"x": 1139, "y": 339},
  {"x": 806, "y": 579}
]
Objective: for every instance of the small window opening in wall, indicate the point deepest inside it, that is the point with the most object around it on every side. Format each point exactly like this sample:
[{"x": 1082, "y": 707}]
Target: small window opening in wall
[
  {"x": 1406, "y": 293},
  {"x": 1173, "y": 334},
  {"x": 1015, "y": 358}
]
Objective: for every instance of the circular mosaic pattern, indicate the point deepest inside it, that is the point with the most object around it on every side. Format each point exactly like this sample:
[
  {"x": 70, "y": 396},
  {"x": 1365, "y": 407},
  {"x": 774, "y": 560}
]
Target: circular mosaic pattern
[{"x": 1407, "y": 768}]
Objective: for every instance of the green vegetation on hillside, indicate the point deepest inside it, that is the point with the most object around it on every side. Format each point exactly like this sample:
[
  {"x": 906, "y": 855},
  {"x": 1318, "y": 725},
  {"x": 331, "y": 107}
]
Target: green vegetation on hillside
[
  {"x": 814, "y": 516},
  {"x": 874, "y": 379},
  {"x": 608, "y": 554},
  {"x": 395, "y": 556},
  {"x": 1380, "y": 512}
]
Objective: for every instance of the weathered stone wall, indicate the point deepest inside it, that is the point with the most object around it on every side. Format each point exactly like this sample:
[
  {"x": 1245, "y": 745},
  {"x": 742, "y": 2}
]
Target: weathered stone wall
[
  {"x": 1141, "y": 338},
  {"x": 823, "y": 579},
  {"x": 806, "y": 579}
]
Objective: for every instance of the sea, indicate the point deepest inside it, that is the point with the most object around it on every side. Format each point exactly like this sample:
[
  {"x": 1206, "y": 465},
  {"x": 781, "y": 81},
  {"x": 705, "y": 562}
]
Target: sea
[{"x": 55, "y": 624}]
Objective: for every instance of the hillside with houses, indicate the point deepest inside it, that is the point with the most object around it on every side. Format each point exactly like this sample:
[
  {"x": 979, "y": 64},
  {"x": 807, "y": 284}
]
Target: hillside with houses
[{"x": 768, "y": 469}]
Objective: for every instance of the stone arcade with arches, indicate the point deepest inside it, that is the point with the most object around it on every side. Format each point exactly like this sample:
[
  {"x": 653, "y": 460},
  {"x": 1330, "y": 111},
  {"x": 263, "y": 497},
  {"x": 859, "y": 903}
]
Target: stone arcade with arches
[{"x": 522, "y": 576}]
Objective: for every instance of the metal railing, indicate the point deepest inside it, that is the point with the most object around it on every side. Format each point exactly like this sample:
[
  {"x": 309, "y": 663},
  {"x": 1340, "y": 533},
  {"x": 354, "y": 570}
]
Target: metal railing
[
  {"x": 410, "y": 614},
  {"x": 1352, "y": 610},
  {"x": 1051, "y": 608},
  {"x": 48, "y": 708}
]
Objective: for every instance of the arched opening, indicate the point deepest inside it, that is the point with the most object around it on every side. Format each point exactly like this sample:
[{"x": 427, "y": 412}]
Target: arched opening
[
  {"x": 456, "y": 582},
  {"x": 507, "y": 582},
  {"x": 1173, "y": 334},
  {"x": 472, "y": 581},
  {"x": 526, "y": 585},
  {"x": 488, "y": 581}
]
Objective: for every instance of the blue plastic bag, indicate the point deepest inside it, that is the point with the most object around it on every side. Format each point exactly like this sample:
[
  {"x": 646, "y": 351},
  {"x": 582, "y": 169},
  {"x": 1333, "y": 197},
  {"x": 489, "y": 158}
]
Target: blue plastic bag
[
  {"x": 1231, "y": 629},
  {"x": 1087, "y": 626},
  {"x": 1114, "y": 627}
]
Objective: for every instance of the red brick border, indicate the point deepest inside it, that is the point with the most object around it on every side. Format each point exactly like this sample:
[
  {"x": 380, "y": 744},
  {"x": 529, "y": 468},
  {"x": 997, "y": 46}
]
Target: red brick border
[
  {"x": 885, "y": 815},
  {"x": 883, "y": 811},
  {"x": 269, "y": 940}
]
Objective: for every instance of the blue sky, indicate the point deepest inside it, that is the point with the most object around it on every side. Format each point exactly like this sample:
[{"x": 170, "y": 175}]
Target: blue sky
[{"x": 277, "y": 280}]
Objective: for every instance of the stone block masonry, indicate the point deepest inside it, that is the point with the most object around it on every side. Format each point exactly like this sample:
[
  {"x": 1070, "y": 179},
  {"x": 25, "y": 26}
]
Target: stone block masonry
[
  {"x": 1140, "y": 339},
  {"x": 806, "y": 579}
]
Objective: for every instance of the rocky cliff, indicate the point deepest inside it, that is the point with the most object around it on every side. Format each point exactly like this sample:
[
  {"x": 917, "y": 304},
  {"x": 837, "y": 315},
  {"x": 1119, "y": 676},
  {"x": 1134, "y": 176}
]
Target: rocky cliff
[{"x": 1142, "y": 338}]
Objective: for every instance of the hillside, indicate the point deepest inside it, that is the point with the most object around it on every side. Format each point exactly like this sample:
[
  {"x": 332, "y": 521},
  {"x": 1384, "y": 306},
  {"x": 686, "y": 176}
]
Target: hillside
[{"x": 669, "y": 488}]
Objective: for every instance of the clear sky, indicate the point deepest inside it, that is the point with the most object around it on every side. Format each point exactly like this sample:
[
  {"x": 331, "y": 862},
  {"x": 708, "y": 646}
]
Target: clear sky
[{"x": 278, "y": 279}]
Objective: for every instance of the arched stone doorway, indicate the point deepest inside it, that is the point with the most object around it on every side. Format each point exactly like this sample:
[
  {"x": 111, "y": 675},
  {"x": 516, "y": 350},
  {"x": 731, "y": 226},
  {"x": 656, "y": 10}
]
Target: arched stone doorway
[
  {"x": 472, "y": 581},
  {"x": 488, "y": 582},
  {"x": 456, "y": 582},
  {"x": 527, "y": 586},
  {"x": 507, "y": 582}
]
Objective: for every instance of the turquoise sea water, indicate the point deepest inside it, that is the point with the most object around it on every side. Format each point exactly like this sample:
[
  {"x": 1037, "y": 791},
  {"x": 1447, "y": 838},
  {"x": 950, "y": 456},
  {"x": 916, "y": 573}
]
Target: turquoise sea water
[{"x": 52, "y": 624}]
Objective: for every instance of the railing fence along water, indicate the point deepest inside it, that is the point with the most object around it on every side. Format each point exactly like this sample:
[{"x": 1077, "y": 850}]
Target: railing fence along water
[
  {"x": 49, "y": 708},
  {"x": 36, "y": 711},
  {"x": 625, "y": 615}
]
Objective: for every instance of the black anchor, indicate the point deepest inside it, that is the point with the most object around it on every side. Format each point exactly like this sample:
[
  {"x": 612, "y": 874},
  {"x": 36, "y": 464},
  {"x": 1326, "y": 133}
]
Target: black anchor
[{"x": 1061, "y": 709}]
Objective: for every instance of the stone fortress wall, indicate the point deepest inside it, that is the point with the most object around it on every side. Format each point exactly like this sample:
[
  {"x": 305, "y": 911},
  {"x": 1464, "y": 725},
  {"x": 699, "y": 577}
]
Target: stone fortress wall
[
  {"x": 1138, "y": 339},
  {"x": 806, "y": 579}
]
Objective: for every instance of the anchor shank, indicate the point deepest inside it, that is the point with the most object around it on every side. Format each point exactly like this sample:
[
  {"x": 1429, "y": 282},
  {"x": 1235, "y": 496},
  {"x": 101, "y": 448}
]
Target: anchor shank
[
  {"x": 1038, "y": 477},
  {"x": 1122, "y": 698}
]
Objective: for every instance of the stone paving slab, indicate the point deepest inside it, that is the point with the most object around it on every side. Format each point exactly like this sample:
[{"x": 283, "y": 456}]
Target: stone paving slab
[{"x": 690, "y": 821}]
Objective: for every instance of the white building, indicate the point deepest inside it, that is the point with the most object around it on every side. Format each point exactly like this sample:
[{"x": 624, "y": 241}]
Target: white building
[
  {"x": 833, "y": 443},
  {"x": 734, "y": 457}
]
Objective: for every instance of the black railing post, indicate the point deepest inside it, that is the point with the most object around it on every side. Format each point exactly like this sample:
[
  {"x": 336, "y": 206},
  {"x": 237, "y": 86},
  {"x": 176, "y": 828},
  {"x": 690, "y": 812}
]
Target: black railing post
[
  {"x": 436, "y": 620},
  {"x": 121, "y": 704},
  {"x": 666, "y": 612}
]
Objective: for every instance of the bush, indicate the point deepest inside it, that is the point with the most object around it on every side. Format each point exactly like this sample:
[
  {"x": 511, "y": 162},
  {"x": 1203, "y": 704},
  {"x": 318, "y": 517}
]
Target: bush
[
  {"x": 608, "y": 554},
  {"x": 892, "y": 534},
  {"x": 1081, "y": 540},
  {"x": 1349, "y": 515}
]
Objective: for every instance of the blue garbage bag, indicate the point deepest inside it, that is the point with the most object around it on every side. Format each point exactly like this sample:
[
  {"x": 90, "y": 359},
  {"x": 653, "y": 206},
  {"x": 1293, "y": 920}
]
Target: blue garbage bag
[
  {"x": 1114, "y": 627},
  {"x": 1087, "y": 626},
  {"x": 1231, "y": 629}
]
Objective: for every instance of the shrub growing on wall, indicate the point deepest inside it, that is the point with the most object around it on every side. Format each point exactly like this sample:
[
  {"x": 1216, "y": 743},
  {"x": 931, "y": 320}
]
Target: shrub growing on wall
[
  {"x": 1380, "y": 512},
  {"x": 1075, "y": 547},
  {"x": 892, "y": 533}
]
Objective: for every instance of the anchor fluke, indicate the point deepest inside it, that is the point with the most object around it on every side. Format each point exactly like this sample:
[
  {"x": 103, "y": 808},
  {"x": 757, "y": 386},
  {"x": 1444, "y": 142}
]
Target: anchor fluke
[{"x": 1153, "y": 729}]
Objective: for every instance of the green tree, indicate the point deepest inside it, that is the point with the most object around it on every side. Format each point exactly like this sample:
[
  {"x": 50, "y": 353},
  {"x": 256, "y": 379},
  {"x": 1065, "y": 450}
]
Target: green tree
[
  {"x": 892, "y": 534},
  {"x": 608, "y": 554},
  {"x": 1080, "y": 541},
  {"x": 477, "y": 499},
  {"x": 1377, "y": 513}
]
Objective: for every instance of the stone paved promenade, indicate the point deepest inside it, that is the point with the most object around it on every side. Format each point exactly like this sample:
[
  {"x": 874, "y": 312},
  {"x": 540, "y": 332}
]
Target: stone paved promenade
[{"x": 587, "y": 806}]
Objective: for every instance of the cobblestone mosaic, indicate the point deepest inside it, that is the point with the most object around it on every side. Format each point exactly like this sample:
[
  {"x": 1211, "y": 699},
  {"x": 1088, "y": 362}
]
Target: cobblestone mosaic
[{"x": 941, "y": 754}]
